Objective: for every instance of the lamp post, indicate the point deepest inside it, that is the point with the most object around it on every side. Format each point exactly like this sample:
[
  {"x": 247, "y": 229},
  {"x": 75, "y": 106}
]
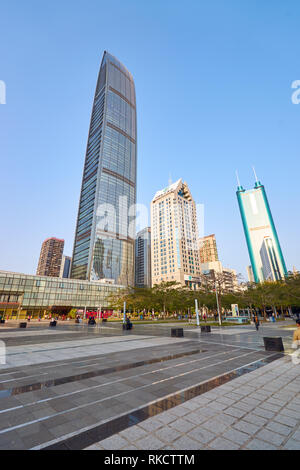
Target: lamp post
[
  {"x": 218, "y": 307},
  {"x": 197, "y": 312},
  {"x": 124, "y": 313}
]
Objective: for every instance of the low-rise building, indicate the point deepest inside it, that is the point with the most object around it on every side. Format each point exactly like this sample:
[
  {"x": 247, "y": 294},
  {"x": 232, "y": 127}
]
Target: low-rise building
[{"x": 26, "y": 294}]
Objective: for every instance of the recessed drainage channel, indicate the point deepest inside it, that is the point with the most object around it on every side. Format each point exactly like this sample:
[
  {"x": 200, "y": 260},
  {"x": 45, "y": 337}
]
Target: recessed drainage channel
[
  {"x": 95, "y": 373},
  {"x": 98, "y": 433}
]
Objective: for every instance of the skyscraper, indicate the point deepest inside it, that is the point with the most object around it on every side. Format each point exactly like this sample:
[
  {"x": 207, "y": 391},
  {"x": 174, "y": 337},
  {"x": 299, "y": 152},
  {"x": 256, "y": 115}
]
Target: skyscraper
[
  {"x": 105, "y": 230},
  {"x": 50, "y": 257},
  {"x": 143, "y": 258},
  {"x": 65, "y": 267},
  {"x": 174, "y": 237},
  {"x": 265, "y": 253}
]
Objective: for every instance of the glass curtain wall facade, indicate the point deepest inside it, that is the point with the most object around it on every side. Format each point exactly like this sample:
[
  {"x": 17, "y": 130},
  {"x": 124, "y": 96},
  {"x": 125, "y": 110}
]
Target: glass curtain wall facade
[
  {"x": 261, "y": 235},
  {"x": 105, "y": 230},
  {"x": 143, "y": 258},
  {"x": 37, "y": 293}
]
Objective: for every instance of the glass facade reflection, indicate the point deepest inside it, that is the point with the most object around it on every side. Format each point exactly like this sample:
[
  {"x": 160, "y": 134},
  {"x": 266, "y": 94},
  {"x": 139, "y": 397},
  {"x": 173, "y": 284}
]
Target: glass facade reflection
[
  {"x": 105, "y": 230},
  {"x": 40, "y": 293}
]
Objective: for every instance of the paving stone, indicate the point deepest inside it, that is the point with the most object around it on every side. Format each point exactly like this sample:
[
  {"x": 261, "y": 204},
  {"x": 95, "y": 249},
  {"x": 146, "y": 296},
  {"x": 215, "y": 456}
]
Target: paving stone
[
  {"x": 182, "y": 425},
  {"x": 244, "y": 406},
  {"x": 130, "y": 447},
  {"x": 150, "y": 442},
  {"x": 186, "y": 443},
  {"x": 167, "y": 434},
  {"x": 114, "y": 442},
  {"x": 196, "y": 418},
  {"x": 94, "y": 447},
  {"x": 290, "y": 413},
  {"x": 296, "y": 435},
  {"x": 236, "y": 436},
  {"x": 271, "y": 437},
  {"x": 291, "y": 422},
  {"x": 246, "y": 427},
  {"x": 192, "y": 405},
  {"x": 133, "y": 433},
  {"x": 256, "y": 444},
  {"x": 202, "y": 435},
  {"x": 278, "y": 428},
  {"x": 291, "y": 444},
  {"x": 263, "y": 413},
  {"x": 227, "y": 419},
  {"x": 223, "y": 444},
  {"x": 150, "y": 425},
  {"x": 254, "y": 419},
  {"x": 166, "y": 417},
  {"x": 270, "y": 407},
  {"x": 225, "y": 400},
  {"x": 293, "y": 407},
  {"x": 179, "y": 411},
  {"x": 232, "y": 411},
  {"x": 217, "y": 406},
  {"x": 214, "y": 425}
]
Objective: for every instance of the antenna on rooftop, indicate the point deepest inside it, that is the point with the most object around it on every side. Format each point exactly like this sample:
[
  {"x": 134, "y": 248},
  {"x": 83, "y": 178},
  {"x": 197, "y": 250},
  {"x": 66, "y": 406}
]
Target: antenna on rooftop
[
  {"x": 256, "y": 179},
  {"x": 238, "y": 179}
]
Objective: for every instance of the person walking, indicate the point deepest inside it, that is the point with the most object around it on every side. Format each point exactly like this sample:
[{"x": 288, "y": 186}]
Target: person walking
[
  {"x": 256, "y": 321},
  {"x": 296, "y": 336}
]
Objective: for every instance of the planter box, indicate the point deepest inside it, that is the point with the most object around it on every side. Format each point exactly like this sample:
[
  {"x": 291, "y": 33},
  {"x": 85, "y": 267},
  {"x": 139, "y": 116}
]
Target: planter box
[
  {"x": 205, "y": 329},
  {"x": 177, "y": 332},
  {"x": 273, "y": 344}
]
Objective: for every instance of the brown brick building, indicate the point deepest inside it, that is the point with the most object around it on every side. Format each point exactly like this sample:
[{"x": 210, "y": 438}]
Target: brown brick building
[
  {"x": 208, "y": 249},
  {"x": 50, "y": 257}
]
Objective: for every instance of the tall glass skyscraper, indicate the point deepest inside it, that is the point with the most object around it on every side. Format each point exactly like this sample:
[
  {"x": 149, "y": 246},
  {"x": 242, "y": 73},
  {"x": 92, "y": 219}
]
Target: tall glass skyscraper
[
  {"x": 105, "y": 230},
  {"x": 265, "y": 253}
]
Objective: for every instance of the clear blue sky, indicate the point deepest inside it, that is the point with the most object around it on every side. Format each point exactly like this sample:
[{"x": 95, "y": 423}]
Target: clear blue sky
[{"x": 213, "y": 81}]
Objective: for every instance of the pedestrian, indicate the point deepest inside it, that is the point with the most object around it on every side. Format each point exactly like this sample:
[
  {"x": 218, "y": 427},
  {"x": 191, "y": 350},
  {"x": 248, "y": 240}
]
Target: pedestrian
[
  {"x": 256, "y": 321},
  {"x": 296, "y": 336}
]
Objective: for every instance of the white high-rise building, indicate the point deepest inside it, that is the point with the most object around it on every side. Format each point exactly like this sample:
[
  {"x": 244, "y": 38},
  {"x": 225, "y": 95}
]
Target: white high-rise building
[{"x": 175, "y": 240}]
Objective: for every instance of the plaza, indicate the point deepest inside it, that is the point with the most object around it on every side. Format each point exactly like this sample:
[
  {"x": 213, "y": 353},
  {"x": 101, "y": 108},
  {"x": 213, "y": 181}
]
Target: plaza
[{"x": 99, "y": 387}]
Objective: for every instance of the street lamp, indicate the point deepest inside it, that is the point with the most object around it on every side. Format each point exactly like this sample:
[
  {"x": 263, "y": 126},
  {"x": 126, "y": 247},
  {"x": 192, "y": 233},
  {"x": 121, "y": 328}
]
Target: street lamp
[
  {"x": 197, "y": 312},
  {"x": 218, "y": 307},
  {"x": 124, "y": 313}
]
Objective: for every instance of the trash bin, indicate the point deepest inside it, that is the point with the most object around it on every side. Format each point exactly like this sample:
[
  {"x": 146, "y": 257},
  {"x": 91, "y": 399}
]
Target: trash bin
[
  {"x": 177, "y": 332},
  {"x": 91, "y": 321},
  {"x": 53, "y": 323},
  {"x": 22, "y": 325},
  {"x": 273, "y": 344}
]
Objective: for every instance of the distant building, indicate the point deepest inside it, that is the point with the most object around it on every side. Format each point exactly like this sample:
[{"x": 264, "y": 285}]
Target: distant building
[
  {"x": 143, "y": 258},
  {"x": 225, "y": 276},
  {"x": 50, "y": 257},
  {"x": 65, "y": 267},
  {"x": 265, "y": 253},
  {"x": 174, "y": 237},
  {"x": 208, "y": 249},
  {"x": 250, "y": 274}
]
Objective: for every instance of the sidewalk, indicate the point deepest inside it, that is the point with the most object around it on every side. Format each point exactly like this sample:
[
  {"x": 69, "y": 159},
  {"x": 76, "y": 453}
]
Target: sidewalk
[{"x": 259, "y": 410}]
